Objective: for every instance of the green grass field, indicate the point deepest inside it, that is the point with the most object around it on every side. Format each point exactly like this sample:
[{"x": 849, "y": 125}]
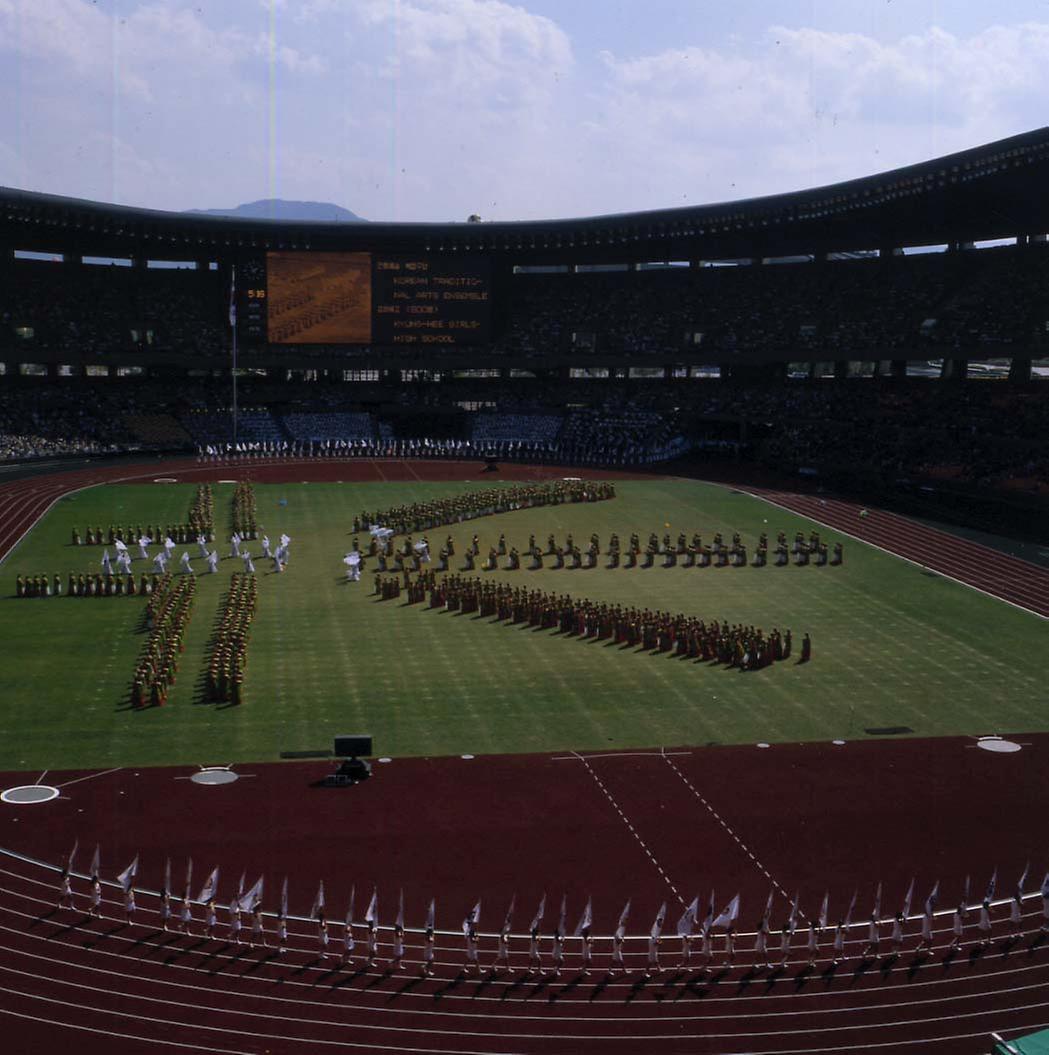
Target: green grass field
[{"x": 892, "y": 646}]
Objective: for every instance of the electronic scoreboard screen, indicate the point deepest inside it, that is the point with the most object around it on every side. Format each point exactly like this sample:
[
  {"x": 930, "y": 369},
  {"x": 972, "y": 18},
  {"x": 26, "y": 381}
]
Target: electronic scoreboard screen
[{"x": 371, "y": 298}]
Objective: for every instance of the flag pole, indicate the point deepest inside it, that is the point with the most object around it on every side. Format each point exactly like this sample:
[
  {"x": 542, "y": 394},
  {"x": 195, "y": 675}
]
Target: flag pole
[{"x": 233, "y": 327}]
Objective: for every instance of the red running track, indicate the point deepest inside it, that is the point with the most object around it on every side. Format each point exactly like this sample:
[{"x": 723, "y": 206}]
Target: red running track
[
  {"x": 1008, "y": 578},
  {"x": 638, "y": 825}
]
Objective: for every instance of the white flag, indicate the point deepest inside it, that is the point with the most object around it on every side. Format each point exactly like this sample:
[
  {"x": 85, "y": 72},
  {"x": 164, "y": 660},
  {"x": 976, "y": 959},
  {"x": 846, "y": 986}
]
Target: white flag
[
  {"x": 240, "y": 888},
  {"x": 189, "y": 878},
  {"x": 657, "y": 923},
  {"x": 1045, "y": 885},
  {"x": 930, "y": 901},
  {"x": 729, "y": 914},
  {"x": 561, "y": 923},
  {"x": 253, "y": 898},
  {"x": 127, "y": 877},
  {"x": 349, "y": 910},
  {"x": 318, "y": 903},
  {"x": 708, "y": 919},
  {"x": 792, "y": 922},
  {"x": 823, "y": 911},
  {"x": 688, "y": 918},
  {"x": 1023, "y": 880},
  {"x": 852, "y": 908},
  {"x": 509, "y": 915},
  {"x": 585, "y": 920},
  {"x": 372, "y": 915},
  {"x": 72, "y": 854},
  {"x": 473, "y": 917},
  {"x": 400, "y": 910},
  {"x": 538, "y": 917},
  {"x": 906, "y": 910},
  {"x": 431, "y": 914},
  {"x": 991, "y": 887},
  {"x": 167, "y": 876},
  {"x": 284, "y": 899},
  {"x": 94, "y": 862},
  {"x": 621, "y": 927},
  {"x": 208, "y": 891},
  {"x": 876, "y": 911}
]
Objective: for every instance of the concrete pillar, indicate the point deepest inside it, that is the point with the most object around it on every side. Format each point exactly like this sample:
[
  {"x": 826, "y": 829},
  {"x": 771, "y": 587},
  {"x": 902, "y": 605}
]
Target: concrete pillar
[
  {"x": 954, "y": 369},
  {"x": 841, "y": 369},
  {"x": 898, "y": 368}
]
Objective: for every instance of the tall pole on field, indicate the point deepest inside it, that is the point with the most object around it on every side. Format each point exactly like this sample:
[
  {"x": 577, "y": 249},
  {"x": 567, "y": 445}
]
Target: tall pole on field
[{"x": 233, "y": 328}]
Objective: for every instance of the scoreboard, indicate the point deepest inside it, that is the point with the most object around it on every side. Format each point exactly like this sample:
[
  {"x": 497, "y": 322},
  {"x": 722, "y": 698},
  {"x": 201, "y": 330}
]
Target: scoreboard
[
  {"x": 431, "y": 301},
  {"x": 317, "y": 298}
]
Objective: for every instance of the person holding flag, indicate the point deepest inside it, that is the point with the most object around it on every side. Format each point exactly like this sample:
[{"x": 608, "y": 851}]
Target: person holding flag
[
  {"x": 841, "y": 930},
  {"x": 535, "y": 956},
  {"x": 727, "y": 919},
  {"x": 428, "y": 940},
  {"x": 788, "y": 932},
  {"x": 185, "y": 910},
  {"x": 582, "y": 931},
  {"x": 165, "y": 897},
  {"x": 347, "y": 932},
  {"x": 707, "y": 932},
  {"x": 65, "y": 888},
  {"x": 127, "y": 884},
  {"x": 207, "y": 899},
  {"x": 253, "y": 903},
  {"x": 958, "y": 921},
  {"x": 685, "y": 923},
  {"x": 317, "y": 913},
  {"x": 618, "y": 939},
  {"x": 473, "y": 917},
  {"x": 371, "y": 919},
  {"x": 235, "y": 907},
  {"x": 816, "y": 929},
  {"x": 655, "y": 936},
  {"x": 502, "y": 955},
  {"x": 557, "y": 939},
  {"x": 282, "y": 920},
  {"x": 761, "y": 937},
  {"x": 1016, "y": 906},
  {"x": 96, "y": 888},
  {"x": 985, "y": 924},
  {"x": 397, "y": 960},
  {"x": 927, "y": 921},
  {"x": 873, "y": 930}
]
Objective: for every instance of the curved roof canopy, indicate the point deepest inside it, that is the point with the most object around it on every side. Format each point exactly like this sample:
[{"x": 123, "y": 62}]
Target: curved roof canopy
[{"x": 992, "y": 191}]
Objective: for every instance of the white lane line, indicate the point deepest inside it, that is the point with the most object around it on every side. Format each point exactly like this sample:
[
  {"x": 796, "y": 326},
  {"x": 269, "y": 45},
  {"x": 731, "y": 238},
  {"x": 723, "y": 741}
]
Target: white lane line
[
  {"x": 112, "y": 1012},
  {"x": 91, "y": 776},
  {"x": 724, "y": 824},
  {"x": 890, "y": 1004},
  {"x": 898, "y": 556},
  {"x": 121, "y": 1036},
  {"x": 618, "y": 754},
  {"x": 622, "y": 816}
]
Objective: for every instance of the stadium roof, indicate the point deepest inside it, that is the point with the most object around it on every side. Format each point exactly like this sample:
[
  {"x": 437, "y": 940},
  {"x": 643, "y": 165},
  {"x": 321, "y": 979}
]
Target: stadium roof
[{"x": 992, "y": 191}]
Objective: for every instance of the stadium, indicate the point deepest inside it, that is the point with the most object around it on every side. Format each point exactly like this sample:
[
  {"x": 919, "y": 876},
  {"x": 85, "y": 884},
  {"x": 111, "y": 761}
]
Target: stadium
[{"x": 467, "y": 491}]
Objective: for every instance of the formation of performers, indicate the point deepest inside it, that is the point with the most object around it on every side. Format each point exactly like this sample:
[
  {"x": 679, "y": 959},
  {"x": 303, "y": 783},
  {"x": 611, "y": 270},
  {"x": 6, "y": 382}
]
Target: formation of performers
[
  {"x": 86, "y": 585},
  {"x": 422, "y": 516},
  {"x": 686, "y": 553},
  {"x": 244, "y": 512},
  {"x": 224, "y": 683},
  {"x": 698, "y": 924},
  {"x": 201, "y": 522},
  {"x": 167, "y": 615},
  {"x": 737, "y": 645}
]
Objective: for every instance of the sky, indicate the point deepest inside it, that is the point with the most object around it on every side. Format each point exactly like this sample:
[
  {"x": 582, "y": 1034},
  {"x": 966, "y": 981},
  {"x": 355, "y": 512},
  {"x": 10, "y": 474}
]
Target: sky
[{"x": 436, "y": 109}]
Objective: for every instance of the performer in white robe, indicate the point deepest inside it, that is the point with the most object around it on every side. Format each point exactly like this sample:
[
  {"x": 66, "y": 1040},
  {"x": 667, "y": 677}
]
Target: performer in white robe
[
  {"x": 249, "y": 564},
  {"x": 159, "y": 563},
  {"x": 107, "y": 566},
  {"x": 143, "y": 542},
  {"x": 202, "y": 545},
  {"x": 213, "y": 561},
  {"x": 234, "y": 545},
  {"x": 187, "y": 568}
]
